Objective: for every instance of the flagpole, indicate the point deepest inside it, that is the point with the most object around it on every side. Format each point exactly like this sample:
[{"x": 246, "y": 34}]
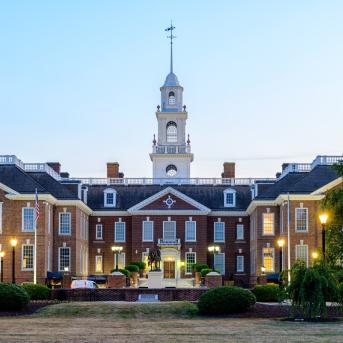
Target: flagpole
[
  {"x": 35, "y": 242},
  {"x": 288, "y": 240}
]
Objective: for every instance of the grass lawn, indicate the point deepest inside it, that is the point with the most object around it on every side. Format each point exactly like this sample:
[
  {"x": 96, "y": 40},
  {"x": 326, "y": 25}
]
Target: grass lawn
[{"x": 160, "y": 322}]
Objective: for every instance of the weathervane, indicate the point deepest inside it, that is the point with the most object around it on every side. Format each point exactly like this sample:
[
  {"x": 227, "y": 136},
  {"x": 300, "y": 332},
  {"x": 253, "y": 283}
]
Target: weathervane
[{"x": 171, "y": 28}]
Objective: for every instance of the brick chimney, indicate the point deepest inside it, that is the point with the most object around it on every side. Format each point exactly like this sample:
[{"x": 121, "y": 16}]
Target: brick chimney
[
  {"x": 113, "y": 170},
  {"x": 229, "y": 170},
  {"x": 56, "y": 166}
]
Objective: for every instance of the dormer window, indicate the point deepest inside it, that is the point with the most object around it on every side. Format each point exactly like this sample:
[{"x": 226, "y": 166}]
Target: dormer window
[
  {"x": 110, "y": 197},
  {"x": 229, "y": 198},
  {"x": 171, "y": 132},
  {"x": 171, "y": 98}
]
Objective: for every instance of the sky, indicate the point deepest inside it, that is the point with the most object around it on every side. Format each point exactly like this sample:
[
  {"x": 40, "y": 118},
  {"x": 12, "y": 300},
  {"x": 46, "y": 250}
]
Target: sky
[{"x": 79, "y": 82}]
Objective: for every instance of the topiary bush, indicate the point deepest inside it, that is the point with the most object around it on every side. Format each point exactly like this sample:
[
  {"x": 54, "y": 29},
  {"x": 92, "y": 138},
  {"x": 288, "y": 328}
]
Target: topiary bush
[
  {"x": 205, "y": 271},
  {"x": 266, "y": 293},
  {"x": 226, "y": 300},
  {"x": 198, "y": 267},
  {"x": 132, "y": 268},
  {"x": 123, "y": 271},
  {"x": 12, "y": 297},
  {"x": 36, "y": 292}
]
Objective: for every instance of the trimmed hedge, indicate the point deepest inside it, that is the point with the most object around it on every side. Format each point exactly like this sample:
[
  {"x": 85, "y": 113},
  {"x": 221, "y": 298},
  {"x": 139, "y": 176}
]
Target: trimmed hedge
[
  {"x": 205, "y": 271},
  {"x": 132, "y": 268},
  {"x": 140, "y": 265},
  {"x": 36, "y": 292},
  {"x": 198, "y": 267},
  {"x": 12, "y": 297},
  {"x": 123, "y": 271},
  {"x": 226, "y": 300},
  {"x": 266, "y": 293}
]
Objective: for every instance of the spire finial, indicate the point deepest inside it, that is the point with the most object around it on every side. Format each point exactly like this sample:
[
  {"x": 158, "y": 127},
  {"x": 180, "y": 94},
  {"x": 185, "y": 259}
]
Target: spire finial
[{"x": 171, "y": 28}]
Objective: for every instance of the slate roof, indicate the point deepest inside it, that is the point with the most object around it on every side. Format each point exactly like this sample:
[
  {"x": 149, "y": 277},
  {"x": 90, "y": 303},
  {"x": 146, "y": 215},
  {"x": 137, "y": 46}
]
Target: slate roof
[
  {"x": 208, "y": 195},
  {"x": 300, "y": 183}
]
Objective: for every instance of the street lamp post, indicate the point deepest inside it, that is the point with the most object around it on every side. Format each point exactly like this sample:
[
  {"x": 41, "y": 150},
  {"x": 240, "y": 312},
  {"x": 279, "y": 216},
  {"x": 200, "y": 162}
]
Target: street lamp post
[
  {"x": 280, "y": 243},
  {"x": 13, "y": 244},
  {"x": 2, "y": 254},
  {"x": 323, "y": 218},
  {"x": 213, "y": 249},
  {"x": 117, "y": 251},
  {"x": 315, "y": 255}
]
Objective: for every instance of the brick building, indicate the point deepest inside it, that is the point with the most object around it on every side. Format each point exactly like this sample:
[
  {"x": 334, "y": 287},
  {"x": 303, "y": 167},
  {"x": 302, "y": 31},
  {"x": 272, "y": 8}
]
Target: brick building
[{"x": 81, "y": 219}]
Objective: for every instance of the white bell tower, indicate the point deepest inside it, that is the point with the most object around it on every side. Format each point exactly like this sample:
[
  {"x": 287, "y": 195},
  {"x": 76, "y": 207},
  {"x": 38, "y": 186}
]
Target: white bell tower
[{"x": 171, "y": 156}]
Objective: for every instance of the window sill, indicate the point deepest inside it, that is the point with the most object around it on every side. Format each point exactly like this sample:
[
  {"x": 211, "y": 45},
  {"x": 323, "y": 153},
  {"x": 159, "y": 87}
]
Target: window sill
[{"x": 301, "y": 231}]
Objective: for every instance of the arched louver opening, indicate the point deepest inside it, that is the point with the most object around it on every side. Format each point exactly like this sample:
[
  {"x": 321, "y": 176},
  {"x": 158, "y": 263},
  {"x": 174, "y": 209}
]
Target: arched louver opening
[
  {"x": 171, "y": 132},
  {"x": 171, "y": 98}
]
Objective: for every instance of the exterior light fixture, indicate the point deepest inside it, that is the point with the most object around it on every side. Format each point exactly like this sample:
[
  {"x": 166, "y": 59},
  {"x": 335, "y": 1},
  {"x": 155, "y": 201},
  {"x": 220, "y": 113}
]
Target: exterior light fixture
[
  {"x": 14, "y": 243},
  {"x": 117, "y": 251},
  {"x": 2, "y": 254},
  {"x": 213, "y": 249},
  {"x": 323, "y": 218},
  {"x": 280, "y": 243}
]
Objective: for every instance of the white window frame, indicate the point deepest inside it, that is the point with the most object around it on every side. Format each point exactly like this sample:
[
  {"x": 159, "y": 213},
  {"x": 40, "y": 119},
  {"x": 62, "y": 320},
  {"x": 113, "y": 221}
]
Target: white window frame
[
  {"x": 242, "y": 226},
  {"x": 169, "y": 221},
  {"x": 110, "y": 191},
  {"x": 121, "y": 255},
  {"x": 24, "y": 269},
  {"x": 59, "y": 258},
  {"x": 241, "y": 270},
  {"x": 195, "y": 231},
  {"x": 143, "y": 231},
  {"x": 115, "y": 232},
  {"x": 273, "y": 216},
  {"x": 215, "y": 256},
  {"x": 273, "y": 250},
  {"x": 214, "y": 232},
  {"x": 23, "y": 219},
  {"x": 233, "y": 192},
  {"x": 60, "y": 222},
  {"x": 96, "y": 263},
  {"x": 296, "y": 218},
  {"x": 186, "y": 264},
  {"x": 99, "y": 237},
  {"x": 296, "y": 252}
]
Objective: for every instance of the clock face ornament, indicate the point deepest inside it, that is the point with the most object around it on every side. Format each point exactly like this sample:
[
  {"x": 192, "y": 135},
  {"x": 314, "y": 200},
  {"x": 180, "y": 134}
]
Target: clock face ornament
[{"x": 169, "y": 201}]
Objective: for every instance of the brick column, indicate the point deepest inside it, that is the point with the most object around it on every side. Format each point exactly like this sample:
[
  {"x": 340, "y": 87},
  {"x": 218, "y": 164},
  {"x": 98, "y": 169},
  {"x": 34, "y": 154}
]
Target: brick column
[
  {"x": 66, "y": 281},
  {"x": 213, "y": 280},
  {"x": 116, "y": 280}
]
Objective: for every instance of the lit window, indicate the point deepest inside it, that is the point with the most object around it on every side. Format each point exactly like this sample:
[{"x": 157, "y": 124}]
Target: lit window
[
  {"x": 268, "y": 259},
  {"x": 190, "y": 231},
  {"x": 171, "y": 132},
  {"x": 268, "y": 223},
  {"x": 148, "y": 233},
  {"x": 301, "y": 253},
  {"x": 301, "y": 219},
  {"x": 65, "y": 223},
  {"x": 27, "y": 257},
  {"x": 219, "y": 232},
  {"x": 229, "y": 198},
  {"x": 240, "y": 264},
  {"x": 98, "y": 231},
  {"x": 64, "y": 259},
  {"x": 98, "y": 264},
  {"x": 119, "y": 232},
  {"x": 219, "y": 262},
  {"x": 190, "y": 260},
  {"x": 171, "y": 98},
  {"x": 169, "y": 231},
  {"x": 28, "y": 221},
  {"x": 171, "y": 170},
  {"x": 239, "y": 231},
  {"x": 110, "y": 196}
]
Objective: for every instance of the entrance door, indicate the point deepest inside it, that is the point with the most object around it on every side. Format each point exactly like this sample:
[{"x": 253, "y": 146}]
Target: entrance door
[{"x": 169, "y": 269}]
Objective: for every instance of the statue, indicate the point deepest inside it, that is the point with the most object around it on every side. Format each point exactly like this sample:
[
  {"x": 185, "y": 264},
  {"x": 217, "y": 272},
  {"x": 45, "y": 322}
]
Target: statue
[{"x": 154, "y": 259}]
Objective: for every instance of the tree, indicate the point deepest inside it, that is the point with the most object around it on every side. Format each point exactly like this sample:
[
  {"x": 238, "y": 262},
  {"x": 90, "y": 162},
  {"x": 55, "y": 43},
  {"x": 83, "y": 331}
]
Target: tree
[{"x": 333, "y": 204}]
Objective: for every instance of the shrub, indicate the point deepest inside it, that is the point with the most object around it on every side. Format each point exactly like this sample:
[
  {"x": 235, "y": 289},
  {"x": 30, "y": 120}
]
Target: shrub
[
  {"x": 36, "y": 292},
  {"x": 140, "y": 265},
  {"x": 266, "y": 293},
  {"x": 340, "y": 293},
  {"x": 205, "y": 271},
  {"x": 132, "y": 268},
  {"x": 12, "y": 297},
  {"x": 123, "y": 271},
  {"x": 226, "y": 300},
  {"x": 198, "y": 267}
]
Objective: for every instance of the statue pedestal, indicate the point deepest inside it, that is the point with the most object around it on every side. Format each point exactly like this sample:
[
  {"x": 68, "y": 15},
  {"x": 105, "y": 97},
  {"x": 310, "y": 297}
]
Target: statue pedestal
[{"x": 155, "y": 279}]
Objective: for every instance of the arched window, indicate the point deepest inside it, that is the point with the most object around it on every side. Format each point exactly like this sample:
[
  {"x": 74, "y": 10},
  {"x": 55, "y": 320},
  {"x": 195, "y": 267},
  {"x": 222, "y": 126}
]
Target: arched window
[
  {"x": 171, "y": 170},
  {"x": 171, "y": 98},
  {"x": 171, "y": 132}
]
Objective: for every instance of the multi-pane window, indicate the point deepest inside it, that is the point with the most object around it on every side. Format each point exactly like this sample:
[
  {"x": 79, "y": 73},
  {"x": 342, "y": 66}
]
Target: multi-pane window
[
  {"x": 64, "y": 259},
  {"x": 148, "y": 231},
  {"x": 171, "y": 99},
  {"x": 229, "y": 198},
  {"x": 239, "y": 231},
  {"x": 65, "y": 223},
  {"x": 268, "y": 259},
  {"x": 27, "y": 257},
  {"x": 98, "y": 231},
  {"x": 219, "y": 262},
  {"x": 171, "y": 132},
  {"x": 169, "y": 231},
  {"x": 119, "y": 232},
  {"x": 109, "y": 197},
  {"x": 98, "y": 264},
  {"x": 28, "y": 221},
  {"x": 190, "y": 260},
  {"x": 301, "y": 253},
  {"x": 268, "y": 223},
  {"x": 190, "y": 231},
  {"x": 301, "y": 219},
  {"x": 121, "y": 260},
  {"x": 240, "y": 263},
  {"x": 219, "y": 232}
]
